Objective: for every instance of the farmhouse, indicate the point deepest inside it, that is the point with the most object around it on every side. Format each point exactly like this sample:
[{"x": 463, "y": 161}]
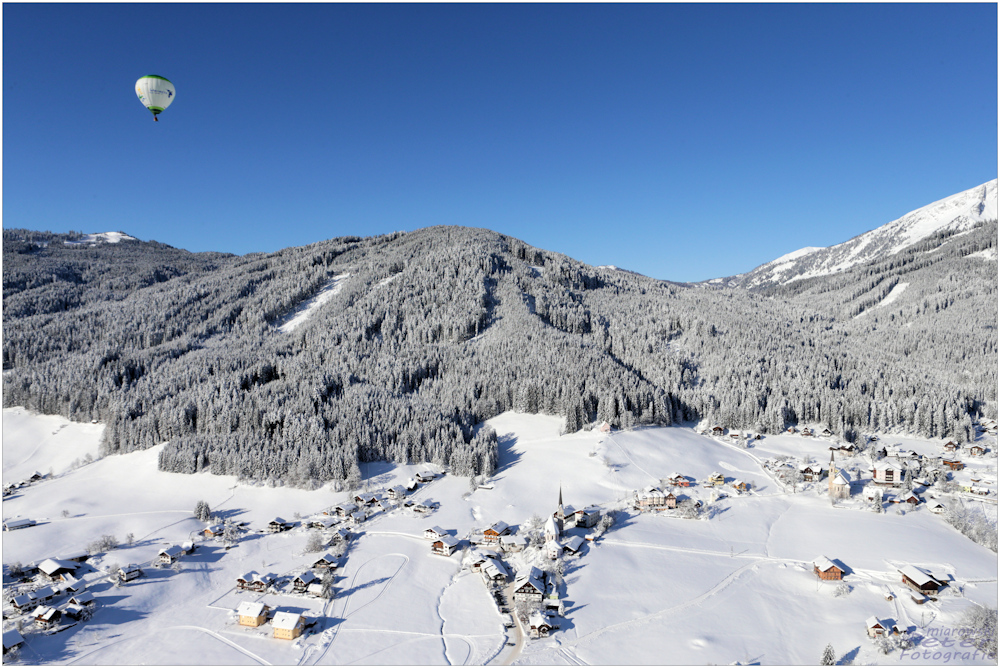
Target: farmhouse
[
  {"x": 425, "y": 476},
  {"x": 811, "y": 472},
  {"x": 254, "y": 582},
  {"x": 874, "y": 628},
  {"x": 807, "y": 432},
  {"x": 482, "y": 557},
  {"x": 494, "y": 571},
  {"x": 716, "y": 479},
  {"x": 46, "y": 617},
  {"x": 951, "y": 446},
  {"x": 84, "y": 598},
  {"x": 213, "y": 531},
  {"x": 826, "y": 569},
  {"x": 323, "y": 523},
  {"x": 492, "y": 534},
  {"x": 445, "y": 546},
  {"x": 13, "y": 525},
  {"x": 277, "y": 525},
  {"x": 976, "y": 450},
  {"x": 326, "y": 561},
  {"x": 740, "y": 486},
  {"x": 129, "y": 573},
  {"x": 434, "y": 533},
  {"x": 56, "y": 568},
  {"x": 302, "y": 581},
  {"x": 169, "y": 555},
  {"x": 540, "y": 626},
  {"x": 826, "y": 432},
  {"x": 678, "y": 480},
  {"x": 411, "y": 485},
  {"x": 252, "y": 613},
  {"x": 919, "y": 581},
  {"x": 718, "y": 431},
  {"x": 288, "y": 625},
  {"x": 530, "y": 587},
  {"x": 358, "y": 517},
  {"x": 397, "y": 493}
]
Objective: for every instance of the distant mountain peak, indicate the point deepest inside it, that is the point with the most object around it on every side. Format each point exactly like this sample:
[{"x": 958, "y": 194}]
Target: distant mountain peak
[{"x": 956, "y": 213}]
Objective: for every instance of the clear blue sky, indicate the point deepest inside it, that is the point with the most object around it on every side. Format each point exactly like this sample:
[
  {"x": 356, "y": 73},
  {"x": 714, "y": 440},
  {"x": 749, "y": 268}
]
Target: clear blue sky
[{"x": 685, "y": 142}]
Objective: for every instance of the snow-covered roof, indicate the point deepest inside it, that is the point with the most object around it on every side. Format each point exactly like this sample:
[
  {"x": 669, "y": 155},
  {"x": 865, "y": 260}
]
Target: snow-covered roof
[
  {"x": 328, "y": 558},
  {"x": 172, "y": 551},
  {"x": 307, "y": 576},
  {"x": 550, "y": 526},
  {"x": 574, "y": 543},
  {"x": 278, "y": 520},
  {"x": 286, "y": 620},
  {"x": 11, "y": 639},
  {"x": 824, "y": 564},
  {"x": 449, "y": 541},
  {"x": 885, "y": 466},
  {"x": 250, "y": 609},
  {"x": 917, "y": 575},
  {"x": 438, "y": 530},
  {"x": 50, "y": 566},
  {"x": 553, "y": 546},
  {"x": 513, "y": 540},
  {"x": 872, "y": 622},
  {"x": 500, "y": 527},
  {"x": 82, "y": 598},
  {"x": 841, "y": 479}
]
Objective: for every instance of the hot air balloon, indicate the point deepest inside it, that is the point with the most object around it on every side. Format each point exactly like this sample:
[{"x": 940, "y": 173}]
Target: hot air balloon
[{"x": 155, "y": 92}]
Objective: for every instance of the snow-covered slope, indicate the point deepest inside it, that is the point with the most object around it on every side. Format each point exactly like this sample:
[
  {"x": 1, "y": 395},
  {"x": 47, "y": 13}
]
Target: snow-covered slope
[
  {"x": 106, "y": 237},
  {"x": 956, "y": 213}
]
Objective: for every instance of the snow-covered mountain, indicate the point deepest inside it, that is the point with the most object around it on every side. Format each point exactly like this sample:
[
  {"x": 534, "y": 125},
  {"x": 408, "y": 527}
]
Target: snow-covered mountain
[{"x": 957, "y": 213}]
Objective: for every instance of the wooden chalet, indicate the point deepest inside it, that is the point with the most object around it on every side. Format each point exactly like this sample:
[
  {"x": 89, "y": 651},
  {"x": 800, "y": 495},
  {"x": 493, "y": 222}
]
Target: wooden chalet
[
  {"x": 213, "y": 531},
  {"x": 826, "y": 432},
  {"x": 358, "y": 517},
  {"x": 874, "y": 628},
  {"x": 445, "y": 546},
  {"x": 302, "y": 581},
  {"x": 129, "y": 572},
  {"x": 812, "y": 472},
  {"x": 288, "y": 625},
  {"x": 254, "y": 582},
  {"x": 950, "y": 446},
  {"x": 411, "y": 485},
  {"x": 919, "y": 581},
  {"x": 323, "y": 523},
  {"x": 678, "y": 480},
  {"x": 909, "y": 498},
  {"x": 277, "y": 525},
  {"x": 540, "y": 626},
  {"x": 46, "y": 617},
  {"x": 12, "y": 640},
  {"x": 397, "y": 493},
  {"x": 741, "y": 486},
  {"x": 327, "y": 561},
  {"x": 807, "y": 432},
  {"x": 953, "y": 464},
  {"x": 736, "y": 436},
  {"x": 252, "y": 613},
  {"x": 492, "y": 535},
  {"x": 368, "y": 498},
  {"x": 977, "y": 450},
  {"x": 425, "y": 476},
  {"x": 791, "y": 430},
  {"x": 826, "y": 569},
  {"x": 718, "y": 431},
  {"x": 716, "y": 479}
]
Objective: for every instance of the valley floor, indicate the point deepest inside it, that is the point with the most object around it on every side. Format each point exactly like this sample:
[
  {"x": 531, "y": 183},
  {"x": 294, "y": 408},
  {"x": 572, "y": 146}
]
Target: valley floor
[{"x": 734, "y": 586}]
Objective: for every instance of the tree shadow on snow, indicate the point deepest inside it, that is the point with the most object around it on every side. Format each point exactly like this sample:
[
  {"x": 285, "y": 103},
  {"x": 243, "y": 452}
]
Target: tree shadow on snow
[
  {"x": 366, "y": 585},
  {"x": 507, "y": 456},
  {"x": 848, "y": 658}
]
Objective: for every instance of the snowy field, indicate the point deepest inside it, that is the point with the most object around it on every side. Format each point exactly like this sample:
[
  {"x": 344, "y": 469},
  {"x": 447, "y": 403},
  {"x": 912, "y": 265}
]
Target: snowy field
[{"x": 655, "y": 589}]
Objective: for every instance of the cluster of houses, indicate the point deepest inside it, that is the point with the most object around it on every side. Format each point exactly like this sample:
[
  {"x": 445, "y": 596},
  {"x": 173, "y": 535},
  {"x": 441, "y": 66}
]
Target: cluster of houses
[
  {"x": 12, "y": 487},
  {"x": 655, "y": 498},
  {"x": 40, "y": 604}
]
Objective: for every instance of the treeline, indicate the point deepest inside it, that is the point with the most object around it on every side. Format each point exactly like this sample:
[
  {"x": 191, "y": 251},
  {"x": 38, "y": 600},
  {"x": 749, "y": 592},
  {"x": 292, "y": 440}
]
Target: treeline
[{"x": 438, "y": 330}]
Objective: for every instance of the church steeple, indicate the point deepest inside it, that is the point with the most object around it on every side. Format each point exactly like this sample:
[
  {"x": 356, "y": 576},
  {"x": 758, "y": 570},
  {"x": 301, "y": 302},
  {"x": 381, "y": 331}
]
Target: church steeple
[{"x": 560, "y": 514}]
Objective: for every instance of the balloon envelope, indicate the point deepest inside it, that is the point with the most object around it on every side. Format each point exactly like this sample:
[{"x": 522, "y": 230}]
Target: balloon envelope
[{"x": 155, "y": 92}]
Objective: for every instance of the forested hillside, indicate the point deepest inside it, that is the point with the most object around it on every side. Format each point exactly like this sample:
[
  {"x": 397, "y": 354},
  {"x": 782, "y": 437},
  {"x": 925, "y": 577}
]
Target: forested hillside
[{"x": 436, "y": 330}]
